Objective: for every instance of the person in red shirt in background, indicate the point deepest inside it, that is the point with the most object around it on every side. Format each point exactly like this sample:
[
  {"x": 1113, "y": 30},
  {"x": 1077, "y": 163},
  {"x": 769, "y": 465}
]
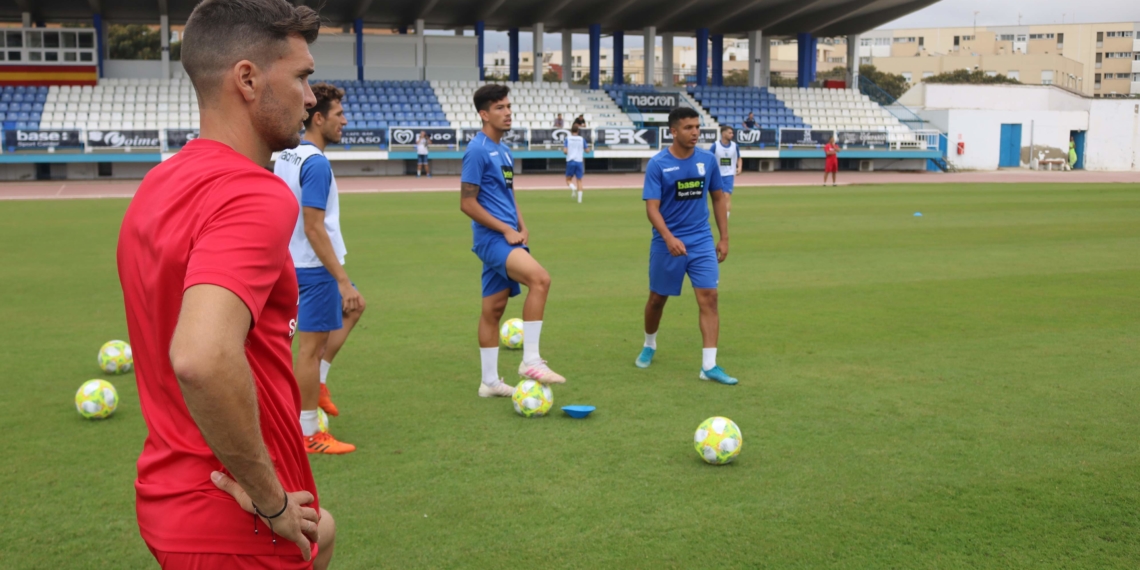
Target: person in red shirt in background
[
  {"x": 211, "y": 300},
  {"x": 831, "y": 151}
]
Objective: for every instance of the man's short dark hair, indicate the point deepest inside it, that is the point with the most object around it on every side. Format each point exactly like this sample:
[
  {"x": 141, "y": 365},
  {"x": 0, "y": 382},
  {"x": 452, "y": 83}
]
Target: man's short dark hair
[
  {"x": 325, "y": 95},
  {"x": 220, "y": 33},
  {"x": 489, "y": 94},
  {"x": 574, "y": 129},
  {"x": 725, "y": 128},
  {"x": 679, "y": 113}
]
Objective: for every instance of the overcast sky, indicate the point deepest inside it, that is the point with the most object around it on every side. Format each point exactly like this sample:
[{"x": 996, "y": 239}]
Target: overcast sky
[{"x": 943, "y": 14}]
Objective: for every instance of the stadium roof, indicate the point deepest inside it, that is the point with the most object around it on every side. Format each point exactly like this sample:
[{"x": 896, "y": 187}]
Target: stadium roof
[{"x": 775, "y": 17}]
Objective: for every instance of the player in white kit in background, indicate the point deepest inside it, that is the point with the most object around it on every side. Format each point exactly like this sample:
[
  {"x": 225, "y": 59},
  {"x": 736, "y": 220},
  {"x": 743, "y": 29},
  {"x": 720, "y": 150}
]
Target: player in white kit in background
[
  {"x": 728, "y": 159},
  {"x": 575, "y": 147},
  {"x": 422, "y": 164}
]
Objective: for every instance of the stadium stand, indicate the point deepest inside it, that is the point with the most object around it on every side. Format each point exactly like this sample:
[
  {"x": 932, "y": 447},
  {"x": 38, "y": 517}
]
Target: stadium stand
[
  {"x": 383, "y": 104},
  {"x": 842, "y": 109},
  {"x": 617, "y": 94},
  {"x": 22, "y": 106},
  {"x": 731, "y": 105},
  {"x": 533, "y": 105}
]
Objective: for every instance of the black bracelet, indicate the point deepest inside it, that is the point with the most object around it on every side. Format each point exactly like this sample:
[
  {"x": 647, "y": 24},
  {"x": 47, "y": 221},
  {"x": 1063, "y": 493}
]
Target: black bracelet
[{"x": 279, "y": 513}]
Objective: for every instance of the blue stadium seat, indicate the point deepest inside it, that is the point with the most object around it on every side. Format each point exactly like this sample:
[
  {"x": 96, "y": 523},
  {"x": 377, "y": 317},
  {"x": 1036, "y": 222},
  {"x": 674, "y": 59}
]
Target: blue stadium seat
[
  {"x": 373, "y": 125},
  {"x": 381, "y": 125}
]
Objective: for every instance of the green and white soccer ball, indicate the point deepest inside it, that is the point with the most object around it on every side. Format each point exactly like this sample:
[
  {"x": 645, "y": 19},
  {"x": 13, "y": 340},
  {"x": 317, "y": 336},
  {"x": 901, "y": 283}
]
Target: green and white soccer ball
[
  {"x": 512, "y": 334},
  {"x": 96, "y": 399},
  {"x": 718, "y": 440},
  {"x": 115, "y": 357},
  {"x": 532, "y": 399},
  {"x": 322, "y": 421}
]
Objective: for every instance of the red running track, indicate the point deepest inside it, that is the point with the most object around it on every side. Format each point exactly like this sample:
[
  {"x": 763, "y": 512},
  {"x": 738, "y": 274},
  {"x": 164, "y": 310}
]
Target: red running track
[{"x": 74, "y": 189}]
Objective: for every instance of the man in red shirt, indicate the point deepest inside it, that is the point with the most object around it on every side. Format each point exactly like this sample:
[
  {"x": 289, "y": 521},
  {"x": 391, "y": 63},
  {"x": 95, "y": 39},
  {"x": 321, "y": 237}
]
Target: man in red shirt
[
  {"x": 831, "y": 161},
  {"x": 211, "y": 301}
]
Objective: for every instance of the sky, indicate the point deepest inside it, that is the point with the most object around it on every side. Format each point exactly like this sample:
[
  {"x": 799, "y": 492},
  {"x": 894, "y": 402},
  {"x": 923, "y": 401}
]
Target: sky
[{"x": 943, "y": 14}]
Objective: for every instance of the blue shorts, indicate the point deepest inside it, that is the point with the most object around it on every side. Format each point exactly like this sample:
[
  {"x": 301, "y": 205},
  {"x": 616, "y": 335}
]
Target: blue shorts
[
  {"x": 421, "y": 159},
  {"x": 493, "y": 251},
  {"x": 667, "y": 273},
  {"x": 575, "y": 169},
  {"x": 729, "y": 182},
  {"x": 320, "y": 307}
]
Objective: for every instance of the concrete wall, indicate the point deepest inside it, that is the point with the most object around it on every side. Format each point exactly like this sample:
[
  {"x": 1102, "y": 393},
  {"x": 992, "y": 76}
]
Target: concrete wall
[
  {"x": 1046, "y": 131},
  {"x": 391, "y": 57},
  {"x": 452, "y": 58},
  {"x": 334, "y": 56},
  {"x": 132, "y": 69},
  {"x": 1113, "y": 140}
]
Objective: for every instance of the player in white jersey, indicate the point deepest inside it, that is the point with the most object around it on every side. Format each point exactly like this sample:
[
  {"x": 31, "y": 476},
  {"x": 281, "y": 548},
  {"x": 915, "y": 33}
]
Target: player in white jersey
[
  {"x": 728, "y": 158},
  {"x": 575, "y": 147},
  {"x": 422, "y": 164},
  {"x": 329, "y": 304}
]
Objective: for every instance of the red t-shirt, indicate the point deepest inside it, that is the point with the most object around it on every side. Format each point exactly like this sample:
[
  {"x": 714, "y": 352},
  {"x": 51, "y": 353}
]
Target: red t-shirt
[
  {"x": 831, "y": 151},
  {"x": 210, "y": 216}
]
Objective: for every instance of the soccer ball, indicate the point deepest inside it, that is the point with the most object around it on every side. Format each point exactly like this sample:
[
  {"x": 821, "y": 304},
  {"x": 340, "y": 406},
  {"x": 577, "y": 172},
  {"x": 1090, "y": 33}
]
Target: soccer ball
[
  {"x": 532, "y": 399},
  {"x": 96, "y": 399},
  {"x": 512, "y": 334},
  {"x": 718, "y": 440},
  {"x": 322, "y": 421},
  {"x": 115, "y": 357}
]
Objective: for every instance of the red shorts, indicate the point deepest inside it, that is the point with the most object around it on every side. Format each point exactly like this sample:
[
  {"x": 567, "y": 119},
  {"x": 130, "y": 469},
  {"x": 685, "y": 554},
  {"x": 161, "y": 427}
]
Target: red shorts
[
  {"x": 832, "y": 165},
  {"x": 205, "y": 561}
]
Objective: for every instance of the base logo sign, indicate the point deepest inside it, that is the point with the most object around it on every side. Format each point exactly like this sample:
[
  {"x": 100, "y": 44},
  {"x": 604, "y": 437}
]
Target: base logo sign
[
  {"x": 627, "y": 137},
  {"x": 123, "y": 139},
  {"x": 804, "y": 137},
  {"x": 757, "y": 137},
  {"x": 177, "y": 138},
  {"x": 861, "y": 138},
  {"x": 407, "y": 136},
  {"x": 32, "y": 140}
]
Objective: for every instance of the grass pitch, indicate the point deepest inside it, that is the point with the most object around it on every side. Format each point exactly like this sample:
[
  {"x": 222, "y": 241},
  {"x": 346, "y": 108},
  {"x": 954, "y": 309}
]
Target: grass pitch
[{"x": 957, "y": 390}]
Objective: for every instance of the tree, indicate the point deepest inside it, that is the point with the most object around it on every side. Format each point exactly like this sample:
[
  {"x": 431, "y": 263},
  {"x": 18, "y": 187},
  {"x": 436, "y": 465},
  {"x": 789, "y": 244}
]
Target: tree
[
  {"x": 892, "y": 83},
  {"x": 736, "y": 77},
  {"x": 976, "y": 76},
  {"x": 136, "y": 41},
  {"x": 777, "y": 80}
]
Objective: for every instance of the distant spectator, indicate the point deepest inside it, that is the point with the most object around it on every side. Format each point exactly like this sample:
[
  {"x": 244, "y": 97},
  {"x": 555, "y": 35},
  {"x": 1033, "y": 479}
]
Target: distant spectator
[
  {"x": 558, "y": 123},
  {"x": 580, "y": 121},
  {"x": 750, "y": 122}
]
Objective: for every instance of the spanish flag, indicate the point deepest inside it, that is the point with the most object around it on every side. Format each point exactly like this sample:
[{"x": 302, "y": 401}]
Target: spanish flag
[{"x": 49, "y": 75}]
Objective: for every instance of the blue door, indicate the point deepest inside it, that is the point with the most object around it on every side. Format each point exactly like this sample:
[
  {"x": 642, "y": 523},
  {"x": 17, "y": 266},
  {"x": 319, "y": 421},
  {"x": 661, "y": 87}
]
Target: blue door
[
  {"x": 1079, "y": 139},
  {"x": 1010, "y": 146}
]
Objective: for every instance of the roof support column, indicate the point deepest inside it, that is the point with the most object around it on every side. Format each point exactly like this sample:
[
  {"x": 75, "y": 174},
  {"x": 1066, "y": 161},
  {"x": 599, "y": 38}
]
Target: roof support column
[
  {"x": 421, "y": 50},
  {"x": 755, "y": 40},
  {"x": 164, "y": 41},
  {"x": 537, "y": 56},
  {"x": 619, "y": 58},
  {"x": 649, "y": 55},
  {"x": 100, "y": 43},
  {"x": 479, "y": 28},
  {"x": 595, "y": 55},
  {"x": 853, "y": 62},
  {"x": 718, "y": 60},
  {"x": 567, "y": 56},
  {"x": 803, "y": 59},
  {"x": 765, "y": 47},
  {"x": 358, "y": 29},
  {"x": 513, "y": 36},
  {"x": 667, "y": 60},
  {"x": 703, "y": 56},
  {"x": 26, "y": 19}
]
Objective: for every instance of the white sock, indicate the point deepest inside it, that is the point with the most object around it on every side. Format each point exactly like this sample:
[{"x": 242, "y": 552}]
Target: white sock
[
  {"x": 708, "y": 358},
  {"x": 651, "y": 340},
  {"x": 309, "y": 425},
  {"x": 579, "y": 196},
  {"x": 490, "y": 358},
  {"x": 325, "y": 365},
  {"x": 532, "y": 330},
  {"x": 573, "y": 187}
]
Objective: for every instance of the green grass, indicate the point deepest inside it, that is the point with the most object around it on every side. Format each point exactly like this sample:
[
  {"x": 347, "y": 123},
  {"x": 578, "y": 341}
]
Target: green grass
[{"x": 952, "y": 391}]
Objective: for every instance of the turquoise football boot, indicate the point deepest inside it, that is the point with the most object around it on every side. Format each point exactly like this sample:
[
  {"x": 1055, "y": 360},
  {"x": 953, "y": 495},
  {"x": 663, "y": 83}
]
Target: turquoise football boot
[
  {"x": 717, "y": 374},
  {"x": 646, "y": 357}
]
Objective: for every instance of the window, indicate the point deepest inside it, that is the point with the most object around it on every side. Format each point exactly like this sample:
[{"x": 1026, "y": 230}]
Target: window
[
  {"x": 1096, "y": 81},
  {"x": 1042, "y": 36},
  {"x": 1100, "y": 39},
  {"x": 866, "y": 42},
  {"x": 1013, "y": 74},
  {"x": 921, "y": 42},
  {"x": 1005, "y": 38},
  {"x": 1060, "y": 39},
  {"x": 906, "y": 76},
  {"x": 1099, "y": 57},
  {"x": 1118, "y": 55},
  {"x": 1126, "y": 34},
  {"x": 957, "y": 40},
  {"x": 904, "y": 40},
  {"x": 991, "y": 74},
  {"x": 882, "y": 41},
  {"x": 1047, "y": 77},
  {"x": 1021, "y": 37},
  {"x": 1136, "y": 56},
  {"x": 967, "y": 38},
  {"x": 926, "y": 74},
  {"x": 1136, "y": 77}
]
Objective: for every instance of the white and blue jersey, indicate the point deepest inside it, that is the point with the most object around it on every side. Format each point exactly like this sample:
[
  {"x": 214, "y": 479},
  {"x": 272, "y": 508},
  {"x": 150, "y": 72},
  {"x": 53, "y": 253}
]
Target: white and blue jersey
[
  {"x": 575, "y": 147},
  {"x": 683, "y": 188},
  {"x": 309, "y": 174},
  {"x": 727, "y": 157},
  {"x": 488, "y": 165}
]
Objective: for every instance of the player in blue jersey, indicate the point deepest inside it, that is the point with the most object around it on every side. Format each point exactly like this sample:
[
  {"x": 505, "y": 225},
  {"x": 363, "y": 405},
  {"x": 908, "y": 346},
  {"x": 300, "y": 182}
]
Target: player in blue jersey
[
  {"x": 487, "y": 196},
  {"x": 678, "y": 183}
]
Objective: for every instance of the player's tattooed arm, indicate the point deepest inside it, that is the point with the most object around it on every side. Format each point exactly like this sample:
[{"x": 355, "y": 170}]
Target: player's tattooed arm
[{"x": 468, "y": 190}]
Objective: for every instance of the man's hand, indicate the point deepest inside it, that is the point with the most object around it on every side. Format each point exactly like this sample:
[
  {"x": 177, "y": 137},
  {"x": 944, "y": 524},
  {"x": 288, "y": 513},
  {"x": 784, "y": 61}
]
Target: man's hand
[
  {"x": 352, "y": 300},
  {"x": 676, "y": 246},
  {"x": 298, "y": 524},
  {"x": 525, "y": 235},
  {"x": 514, "y": 237},
  {"x": 721, "y": 250}
]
